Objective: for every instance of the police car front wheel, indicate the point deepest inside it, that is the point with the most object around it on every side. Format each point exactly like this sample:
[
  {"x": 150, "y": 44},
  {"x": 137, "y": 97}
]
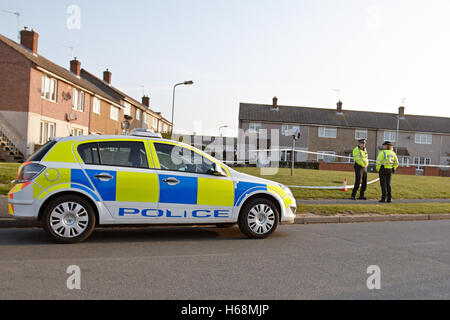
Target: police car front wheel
[
  {"x": 259, "y": 218},
  {"x": 69, "y": 219}
]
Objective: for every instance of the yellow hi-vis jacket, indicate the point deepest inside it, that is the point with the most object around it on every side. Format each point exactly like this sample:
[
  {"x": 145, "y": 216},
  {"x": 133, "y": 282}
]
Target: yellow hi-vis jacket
[
  {"x": 360, "y": 157},
  {"x": 388, "y": 159}
]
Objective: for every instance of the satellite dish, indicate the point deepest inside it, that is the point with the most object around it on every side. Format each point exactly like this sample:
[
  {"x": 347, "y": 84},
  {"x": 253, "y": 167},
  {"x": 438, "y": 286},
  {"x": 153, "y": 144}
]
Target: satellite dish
[{"x": 71, "y": 116}]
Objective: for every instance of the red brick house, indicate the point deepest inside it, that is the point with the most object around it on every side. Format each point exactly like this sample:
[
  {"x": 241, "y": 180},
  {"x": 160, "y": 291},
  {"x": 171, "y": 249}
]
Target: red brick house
[
  {"x": 137, "y": 114},
  {"x": 41, "y": 99}
]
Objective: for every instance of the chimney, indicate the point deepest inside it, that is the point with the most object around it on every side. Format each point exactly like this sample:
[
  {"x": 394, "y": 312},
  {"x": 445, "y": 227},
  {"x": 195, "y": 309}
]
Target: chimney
[
  {"x": 275, "y": 102},
  {"x": 75, "y": 66},
  {"x": 339, "y": 107},
  {"x": 146, "y": 101},
  {"x": 29, "y": 39},
  {"x": 107, "y": 76},
  {"x": 401, "y": 112}
]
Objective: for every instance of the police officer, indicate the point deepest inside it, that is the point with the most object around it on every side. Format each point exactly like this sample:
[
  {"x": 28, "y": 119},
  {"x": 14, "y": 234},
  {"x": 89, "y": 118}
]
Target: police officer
[
  {"x": 387, "y": 163},
  {"x": 361, "y": 162}
]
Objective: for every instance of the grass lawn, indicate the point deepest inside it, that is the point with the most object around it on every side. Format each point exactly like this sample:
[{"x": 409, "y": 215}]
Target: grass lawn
[
  {"x": 384, "y": 208},
  {"x": 403, "y": 186},
  {"x": 8, "y": 172}
]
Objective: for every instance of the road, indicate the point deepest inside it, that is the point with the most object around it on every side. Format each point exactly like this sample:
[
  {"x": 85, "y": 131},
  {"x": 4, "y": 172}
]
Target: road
[{"x": 323, "y": 261}]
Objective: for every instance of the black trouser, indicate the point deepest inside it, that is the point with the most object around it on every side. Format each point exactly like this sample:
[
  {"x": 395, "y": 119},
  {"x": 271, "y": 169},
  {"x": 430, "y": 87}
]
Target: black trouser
[
  {"x": 385, "y": 182},
  {"x": 360, "y": 174}
]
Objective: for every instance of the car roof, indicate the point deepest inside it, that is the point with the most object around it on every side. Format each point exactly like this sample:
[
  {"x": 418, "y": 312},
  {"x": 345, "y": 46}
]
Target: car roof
[{"x": 118, "y": 137}]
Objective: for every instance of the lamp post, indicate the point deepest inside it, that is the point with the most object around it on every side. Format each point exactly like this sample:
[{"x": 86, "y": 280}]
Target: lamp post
[
  {"x": 189, "y": 82},
  {"x": 225, "y": 126}
]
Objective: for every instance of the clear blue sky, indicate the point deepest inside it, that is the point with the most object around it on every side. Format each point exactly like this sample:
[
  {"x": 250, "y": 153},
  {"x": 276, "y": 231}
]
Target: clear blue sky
[{"x": 375, "y": 52}]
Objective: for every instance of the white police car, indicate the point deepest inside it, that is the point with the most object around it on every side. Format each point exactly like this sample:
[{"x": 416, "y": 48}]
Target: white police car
[{"x": 74, "y": 184}]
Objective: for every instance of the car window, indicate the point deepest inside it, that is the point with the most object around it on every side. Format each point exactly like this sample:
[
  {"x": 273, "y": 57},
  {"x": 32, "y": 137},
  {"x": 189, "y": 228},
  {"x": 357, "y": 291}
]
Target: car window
[
  {"x": 89, "y": 153},
  {"x": 177, "y": 158},
  {"x": 115, "y": 153}
]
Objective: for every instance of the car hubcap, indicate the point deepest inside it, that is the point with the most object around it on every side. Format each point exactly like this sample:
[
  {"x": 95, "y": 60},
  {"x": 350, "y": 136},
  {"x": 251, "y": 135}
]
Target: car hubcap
[
  {"x": 69, "y": 219},
  {"x": 261, "y": 219}
]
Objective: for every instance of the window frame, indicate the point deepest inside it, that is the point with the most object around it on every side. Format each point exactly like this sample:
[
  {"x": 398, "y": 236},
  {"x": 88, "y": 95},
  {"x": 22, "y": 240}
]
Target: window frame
[
  {"x": 365, "y": 131},
  {"x": 96, "y": 105},
  {"x": 418, "y": 138},
  {"x": 322, "y": 132},
  {"x": 203, "y": 155},
  {"x": 331, "y": 153},
  {"x": 388, "y": 138},
  {"x": 49, "y": 92},
  {"x": 115, "y": 165},
  {"x": 111, "y": 113},
  {"x": 80, "y": 96}
]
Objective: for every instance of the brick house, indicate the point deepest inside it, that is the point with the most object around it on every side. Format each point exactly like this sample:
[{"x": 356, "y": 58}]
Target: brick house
[
  {"x": 41, "y": 99},
  {"x": 420, "y": 140},
  {"x": 137, "y": 114}
]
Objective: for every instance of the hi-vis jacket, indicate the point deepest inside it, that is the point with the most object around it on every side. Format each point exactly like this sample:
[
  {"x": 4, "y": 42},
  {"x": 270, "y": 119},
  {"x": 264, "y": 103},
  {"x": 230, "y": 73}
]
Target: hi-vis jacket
[
  {"x": 388, "y": 159},
  {"x": 360, "y": 157}
]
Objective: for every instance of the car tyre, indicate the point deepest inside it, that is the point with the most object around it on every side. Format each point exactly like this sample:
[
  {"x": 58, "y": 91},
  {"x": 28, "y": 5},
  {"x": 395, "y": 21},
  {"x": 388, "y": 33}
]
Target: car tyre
[
  {"x": 258, "y": 218},
  {"x": 69, "y": 219}
]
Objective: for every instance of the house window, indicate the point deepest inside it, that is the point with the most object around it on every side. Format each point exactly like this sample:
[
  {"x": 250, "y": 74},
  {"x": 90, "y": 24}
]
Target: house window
[
  {"x": 49, "y": 88},
  {"x": 326, "y": 132},
  {"x": 390, "y": 136},
  {"x": 165, "y": 128},
  {"x": 96, "y": 106},
  {"x": 254, "y": 127},
  {"x": 155, "y": 123},
  {"x": 127, "y": 110},
  {"x": 78, "y": 100},
  {"x": 160, "y": 127},
  {"x": 361, "y": 134},
  {"x": 47, "y": 131},
  {"x": 138, "y": 114},
  {"x": 327, "y": 156},
  {"x": 287, "y": 127},
  {"x": 420, "y": 162},
  {"x": 145, "y": 117},
  {"x": 76, "y": 132},
  {"x": 422, "y": 138},
  {"x": 114, "y": 113},
  {"x": 403, "y": 161}
]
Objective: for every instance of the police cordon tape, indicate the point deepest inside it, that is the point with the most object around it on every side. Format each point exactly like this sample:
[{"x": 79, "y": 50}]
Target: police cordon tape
[
  {"x": 338, "y": 156},
  {"x": 342, "y": 188}
]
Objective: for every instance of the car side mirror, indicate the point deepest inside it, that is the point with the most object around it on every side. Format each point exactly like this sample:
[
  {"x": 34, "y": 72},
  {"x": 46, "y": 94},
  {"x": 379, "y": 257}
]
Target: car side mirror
[{"x": 218, "y": 170}]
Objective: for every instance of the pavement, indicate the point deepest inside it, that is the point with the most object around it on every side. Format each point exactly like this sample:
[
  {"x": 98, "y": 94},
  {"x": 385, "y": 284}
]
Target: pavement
[
  {"x": 7, "y": 221},
  {"x": 317, "y": 261}
]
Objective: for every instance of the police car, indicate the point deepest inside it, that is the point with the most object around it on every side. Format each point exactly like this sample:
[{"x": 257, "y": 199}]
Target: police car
[{"x": 76, "y": 183}]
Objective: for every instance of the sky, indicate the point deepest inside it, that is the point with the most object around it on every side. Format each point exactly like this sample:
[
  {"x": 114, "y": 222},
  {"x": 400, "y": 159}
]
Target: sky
[{"x": 378, "y": 54}]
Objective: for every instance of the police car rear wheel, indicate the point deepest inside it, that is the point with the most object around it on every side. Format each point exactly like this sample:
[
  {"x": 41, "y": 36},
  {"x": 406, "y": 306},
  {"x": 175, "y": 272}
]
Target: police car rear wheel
[
  {"x": 69, "y": 219},
  {"x": 258, "y": 218}
]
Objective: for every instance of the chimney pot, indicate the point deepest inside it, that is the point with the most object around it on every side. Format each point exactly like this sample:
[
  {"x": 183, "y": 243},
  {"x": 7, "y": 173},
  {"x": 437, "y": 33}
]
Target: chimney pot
[
  {"x": 107, "y": 76},
  {"x": 275, "y": 102},
  {"x": 75, "y": 66},
  {"x": 339, "y": 106},
  {"x": 146, "y": 101},
  {"x": 29, "y": 39}
]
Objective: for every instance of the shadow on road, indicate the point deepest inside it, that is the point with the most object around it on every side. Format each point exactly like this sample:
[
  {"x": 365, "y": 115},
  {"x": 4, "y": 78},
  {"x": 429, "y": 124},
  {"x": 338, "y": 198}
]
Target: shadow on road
[{"x": 149, "y": 234}]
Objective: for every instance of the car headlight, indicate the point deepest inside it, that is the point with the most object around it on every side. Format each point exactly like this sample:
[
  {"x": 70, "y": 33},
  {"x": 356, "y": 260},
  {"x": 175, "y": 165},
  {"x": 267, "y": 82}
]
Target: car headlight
[{"x": 286, "y": 189}]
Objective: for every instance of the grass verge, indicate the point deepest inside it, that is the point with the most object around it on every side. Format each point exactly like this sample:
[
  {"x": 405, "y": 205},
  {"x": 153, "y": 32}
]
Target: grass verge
[
  {"x": 403, "y": 186},
  {"x": 384, "y": 208}
]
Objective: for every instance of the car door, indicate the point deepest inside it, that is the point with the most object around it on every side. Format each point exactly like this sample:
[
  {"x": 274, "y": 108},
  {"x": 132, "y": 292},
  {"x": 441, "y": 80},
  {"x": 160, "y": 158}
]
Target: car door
[
  {"x": 122, "y": 174},
  {"x": 189, "y": 192}
]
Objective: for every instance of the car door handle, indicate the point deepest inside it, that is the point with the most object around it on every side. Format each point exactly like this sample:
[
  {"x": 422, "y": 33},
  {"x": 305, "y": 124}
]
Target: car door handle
[
  {"x": 103, "y": 176},
  {"x": 171, "y": 181}
]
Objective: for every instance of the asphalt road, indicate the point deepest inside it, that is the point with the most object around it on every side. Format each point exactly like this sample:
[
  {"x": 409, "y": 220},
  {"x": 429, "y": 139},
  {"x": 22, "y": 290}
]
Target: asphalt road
[{"x": 326, "y": 261}]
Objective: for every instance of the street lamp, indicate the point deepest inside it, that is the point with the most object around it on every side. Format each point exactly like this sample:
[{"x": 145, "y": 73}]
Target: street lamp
[
  {"x": 186, "y": 83},
  {"x": 225, "y": 126}
]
